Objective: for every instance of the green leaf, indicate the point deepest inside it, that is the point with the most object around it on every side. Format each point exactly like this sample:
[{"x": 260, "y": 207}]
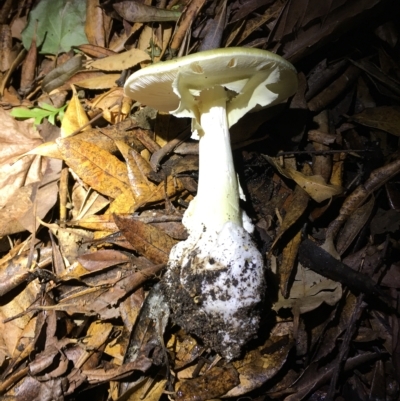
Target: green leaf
[
  {"x": 49, "y": 107},
  {"x": 60, "y": 25},
  {"x": 47, "y": 111}
]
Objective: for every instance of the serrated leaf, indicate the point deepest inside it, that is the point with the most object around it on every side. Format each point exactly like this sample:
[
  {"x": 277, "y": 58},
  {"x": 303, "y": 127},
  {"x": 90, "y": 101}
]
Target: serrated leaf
[{"x": 60, "y": 25}]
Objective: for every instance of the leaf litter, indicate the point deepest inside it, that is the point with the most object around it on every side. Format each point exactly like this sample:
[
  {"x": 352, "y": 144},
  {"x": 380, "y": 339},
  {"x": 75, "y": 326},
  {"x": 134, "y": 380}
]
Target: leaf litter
[{"x": 94, "y": 186}]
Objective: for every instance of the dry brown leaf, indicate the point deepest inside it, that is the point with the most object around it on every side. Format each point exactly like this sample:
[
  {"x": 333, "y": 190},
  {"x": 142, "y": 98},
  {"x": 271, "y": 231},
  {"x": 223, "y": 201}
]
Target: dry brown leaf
[
  {"x": 95, "y": 166},
  {"x": 186, "y": 349},
  {"x": 214, "y": 383},
  {"x": 102, "y": 259},
  {"x": 16, "y": 139},
  {"x": 100, "y": 375},
  {"x": 122, "y": 61},
  {"x": 309, "y": 291},
  {"x": 241, "y": 10},
  {"x": 16, "y": 207},
  {"x": 149, "y": 241},
  {"x": 131, "y": 306},
  {"x": 29, "y": 187},
  {"x": 385, "y": 118},
  {"x": 13, "y": 272},
  {"x": 167, "y": 30},
  {"x": 289, "y": 257},
  {"x": 251, "y": 25},
  {"x": 57, "y": 77},
  {"x": 149, "y": 390},
  {"x": 95, "y": 51},
  {"x": 104, "y": 223},
  {"x": 28, "y": 71},
  {"x": 115, "y": 105},
  {"x": 10, "y": 332},
  {"x": 185, "y": 22},
  {"x": 169, "y": 189},
  {"x": 137, "y": 12},
  {"x": 49, "y": 389},
  {"x": 377, "y": 178},
  {"x": 337, "y": 169},
  {"x": 294, "y": 210},
  {"x": 94, "y": 27},
  {"x": 260, "y": 365},
  {"x": 104, "y": 81},
  {"x": 146, "y": 39},
  {"x": 102, "y": 299},
  {"x": 138, "y": 170},
  {"x": 75, "y": 272},
  {"x": 6, "y": 54},
  {"x": 140, "y": 189},
  {"x": 354, "y": 225},
  {"x": 97, "y": 335},
  {"x": 86, "y": 202},
  {"x": 316, "y": 32}
]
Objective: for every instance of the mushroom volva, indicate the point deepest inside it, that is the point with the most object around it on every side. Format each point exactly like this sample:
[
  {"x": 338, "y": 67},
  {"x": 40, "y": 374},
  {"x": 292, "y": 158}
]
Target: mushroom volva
[{"x": 215, "y": 279}]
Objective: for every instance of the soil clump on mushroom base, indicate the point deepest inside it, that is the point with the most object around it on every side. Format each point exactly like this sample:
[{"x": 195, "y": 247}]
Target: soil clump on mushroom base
[{"x": 211, "y": 298}]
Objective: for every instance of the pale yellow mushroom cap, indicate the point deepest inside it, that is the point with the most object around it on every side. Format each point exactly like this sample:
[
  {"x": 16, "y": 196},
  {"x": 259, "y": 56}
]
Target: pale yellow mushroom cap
[{"x": 254, "y": 78}]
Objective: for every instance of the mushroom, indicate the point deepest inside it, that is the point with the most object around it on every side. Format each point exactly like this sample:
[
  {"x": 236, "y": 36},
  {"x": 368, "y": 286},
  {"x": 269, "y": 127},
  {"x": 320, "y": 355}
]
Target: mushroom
[{"x": 215, "y": 279}]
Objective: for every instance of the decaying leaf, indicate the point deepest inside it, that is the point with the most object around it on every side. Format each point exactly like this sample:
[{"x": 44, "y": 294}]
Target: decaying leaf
[
  {"x": 62, "y": 73},
  {"x": 102, "y": 300},
  {"x": 146, "y": 239},
  {"x": 136, "y": 12},
  {"x": 294, "y": 208},
  {"x": 354, "y": 225},
  {"x": 309, "y": 290},
  {"x": 93, "y": 164},
  {"x": 11, "y": 330},
  {"x": 386, "y": 118},
  {"x": 289, "y": 258},
  {"x": 377, "y": 178},
  {"x": 214, "y": 383},
  {"x": 260, "y": 365}
]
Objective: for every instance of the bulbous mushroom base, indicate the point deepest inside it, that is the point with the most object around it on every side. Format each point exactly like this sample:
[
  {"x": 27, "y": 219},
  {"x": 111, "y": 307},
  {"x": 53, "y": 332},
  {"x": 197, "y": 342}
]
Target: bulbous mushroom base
[{"x": 214, "y": 284}]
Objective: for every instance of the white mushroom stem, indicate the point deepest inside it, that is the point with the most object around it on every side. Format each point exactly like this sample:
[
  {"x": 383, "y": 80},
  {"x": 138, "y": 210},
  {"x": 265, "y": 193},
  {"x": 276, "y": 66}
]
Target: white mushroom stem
[{"x": 217, "y": 200}]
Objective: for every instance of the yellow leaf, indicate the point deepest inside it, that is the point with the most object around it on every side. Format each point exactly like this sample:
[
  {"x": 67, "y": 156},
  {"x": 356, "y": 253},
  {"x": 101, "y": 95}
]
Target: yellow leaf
[
  {"x": 314, "y": 185},
  {"x": 125, "y": 203},
  {"x": 95, "y": 166},
  {"x": 138, "y": 168},
  {"x": 75, "y": 117},
  {"x": 49, "y": 149}
]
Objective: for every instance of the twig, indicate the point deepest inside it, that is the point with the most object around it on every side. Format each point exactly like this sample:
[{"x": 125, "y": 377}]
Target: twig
[
  {"x": 344, "y": 349},
  {"x": 321, "y": 152}
]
